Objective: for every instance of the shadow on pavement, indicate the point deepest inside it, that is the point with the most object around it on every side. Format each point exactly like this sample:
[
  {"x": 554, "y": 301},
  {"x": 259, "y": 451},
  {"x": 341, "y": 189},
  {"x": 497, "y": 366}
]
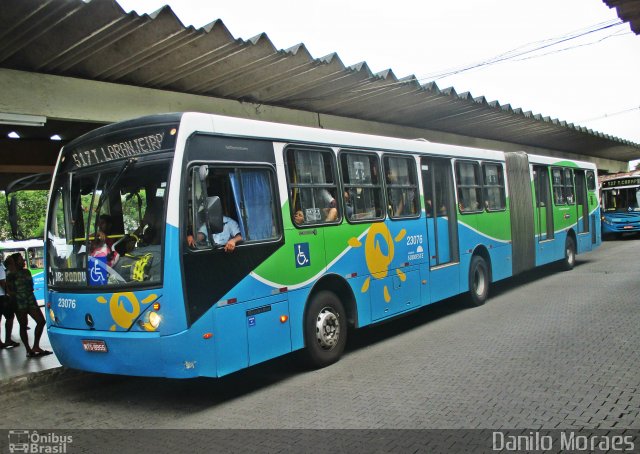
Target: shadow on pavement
[{"x": 160, "y": 394}]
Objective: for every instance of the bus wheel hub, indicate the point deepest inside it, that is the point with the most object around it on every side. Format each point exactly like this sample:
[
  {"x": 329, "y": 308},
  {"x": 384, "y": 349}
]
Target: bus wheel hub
[{"x": 327, "y": 328}]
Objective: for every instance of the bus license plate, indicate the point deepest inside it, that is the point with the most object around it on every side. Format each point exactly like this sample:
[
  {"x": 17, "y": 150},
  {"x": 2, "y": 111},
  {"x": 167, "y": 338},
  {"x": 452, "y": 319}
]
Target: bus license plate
[{"x": 98, "y": 346}]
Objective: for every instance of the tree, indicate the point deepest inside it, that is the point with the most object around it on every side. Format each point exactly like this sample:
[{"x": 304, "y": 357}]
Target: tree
[{"x": 31, "y": 210}]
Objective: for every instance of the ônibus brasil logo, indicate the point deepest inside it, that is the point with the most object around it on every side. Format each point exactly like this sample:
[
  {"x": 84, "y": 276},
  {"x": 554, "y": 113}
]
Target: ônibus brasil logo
[{"x": 31, "y": 442}]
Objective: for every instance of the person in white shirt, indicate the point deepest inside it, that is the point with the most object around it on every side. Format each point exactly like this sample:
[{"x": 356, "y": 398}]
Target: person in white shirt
[{"x": 228, "y": 238}]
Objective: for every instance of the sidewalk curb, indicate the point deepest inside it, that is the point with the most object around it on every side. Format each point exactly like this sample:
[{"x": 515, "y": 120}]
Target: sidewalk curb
[{"x": 40, "y": 378}]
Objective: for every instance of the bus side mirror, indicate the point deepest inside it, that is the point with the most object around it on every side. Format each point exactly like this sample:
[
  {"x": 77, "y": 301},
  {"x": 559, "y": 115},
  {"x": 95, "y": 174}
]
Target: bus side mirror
[
  {"x": 214, "y": 214},
  {"x": 203, "y": 171}
]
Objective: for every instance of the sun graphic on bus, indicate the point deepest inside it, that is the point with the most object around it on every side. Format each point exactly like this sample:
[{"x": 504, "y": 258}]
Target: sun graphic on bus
[
  {"x": 125, "y": 308},
  {"x": 379, "y": 251}
]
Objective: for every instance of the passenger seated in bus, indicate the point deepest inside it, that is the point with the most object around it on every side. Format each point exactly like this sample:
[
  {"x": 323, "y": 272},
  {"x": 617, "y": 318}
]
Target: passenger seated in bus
[
  {"x": 330, "y": 209},
  {"x": 298, "y": 217},
  {"x": 428, "y": 208},
  {"x": 148, "y": 232},
  {"x": 331, "y": 214},
  {"x": 100, "y": 248},
  {"x": 102, "y": 245},
  {"x": 396, "y": 199},
  {"x": 105, "y": 224},
  {"x": 347, "y": 204}
]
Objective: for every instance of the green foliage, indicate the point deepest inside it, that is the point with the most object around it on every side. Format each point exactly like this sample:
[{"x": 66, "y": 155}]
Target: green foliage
[{"x": 32, "y": 206}]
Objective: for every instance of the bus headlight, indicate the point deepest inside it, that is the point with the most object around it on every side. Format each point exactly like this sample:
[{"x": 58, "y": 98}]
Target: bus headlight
[{"x": 154, "y": 319}]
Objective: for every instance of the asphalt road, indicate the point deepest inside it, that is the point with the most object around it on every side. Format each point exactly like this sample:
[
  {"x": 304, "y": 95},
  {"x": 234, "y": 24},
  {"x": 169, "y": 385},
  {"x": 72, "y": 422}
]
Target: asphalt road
[{"x": 549, "y": 350}]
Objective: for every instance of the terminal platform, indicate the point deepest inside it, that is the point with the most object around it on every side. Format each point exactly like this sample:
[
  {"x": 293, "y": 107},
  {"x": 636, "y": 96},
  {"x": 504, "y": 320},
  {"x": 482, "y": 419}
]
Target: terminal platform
[{"x": 14, "y": 362}]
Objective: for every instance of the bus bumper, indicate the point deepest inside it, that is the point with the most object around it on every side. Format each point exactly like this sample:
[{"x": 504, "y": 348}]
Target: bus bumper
[
  {"x": 609, "y": 227},
  {"x": 132, "y": 353}
]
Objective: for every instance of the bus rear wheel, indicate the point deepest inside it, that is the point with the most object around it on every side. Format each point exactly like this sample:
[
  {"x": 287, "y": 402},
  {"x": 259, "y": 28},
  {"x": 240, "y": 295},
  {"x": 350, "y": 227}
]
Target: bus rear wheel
[
  {"x": 478, "y": 280},
  {"x": 325, "y": 330},
  {"x": 569, "y": 254}
]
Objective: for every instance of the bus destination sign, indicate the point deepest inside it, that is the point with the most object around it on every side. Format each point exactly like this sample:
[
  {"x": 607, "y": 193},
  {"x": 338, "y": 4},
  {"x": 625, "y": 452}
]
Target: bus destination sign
[
  {"x": 630, "y": 181},
  {"x": 127, "y": 148}
]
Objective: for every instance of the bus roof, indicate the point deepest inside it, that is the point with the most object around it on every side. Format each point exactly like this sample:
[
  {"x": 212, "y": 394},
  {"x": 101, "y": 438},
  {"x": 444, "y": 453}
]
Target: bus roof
[
  {"x": 21, "y": 244},
  {"x": 193, "y": 122},
  {"x": 621, "y": 175}
]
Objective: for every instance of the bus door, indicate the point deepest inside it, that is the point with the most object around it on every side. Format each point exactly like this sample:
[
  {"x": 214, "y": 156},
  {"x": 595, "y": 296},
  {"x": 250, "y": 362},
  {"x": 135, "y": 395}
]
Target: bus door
[
  {"x": 582, "y": 207},
  {"x": 544, "y": 212},
  {"x": 442, "y": 227}
]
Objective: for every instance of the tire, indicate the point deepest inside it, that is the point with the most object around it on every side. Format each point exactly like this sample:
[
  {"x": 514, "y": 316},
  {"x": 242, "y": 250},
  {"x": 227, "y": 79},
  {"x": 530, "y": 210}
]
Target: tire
[
  {"x": 478, "y": 280},
  {"x": 569, "y": 260},
  {"x": 325, "y": 330}
]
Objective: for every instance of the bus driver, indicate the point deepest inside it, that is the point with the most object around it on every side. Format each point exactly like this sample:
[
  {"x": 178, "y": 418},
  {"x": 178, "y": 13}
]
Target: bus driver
[{"x": 229, "y": 237}]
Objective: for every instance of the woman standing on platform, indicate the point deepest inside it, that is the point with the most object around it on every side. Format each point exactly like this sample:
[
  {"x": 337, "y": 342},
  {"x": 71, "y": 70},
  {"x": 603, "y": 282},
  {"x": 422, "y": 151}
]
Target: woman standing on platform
[{"x": 20, "y": 286}]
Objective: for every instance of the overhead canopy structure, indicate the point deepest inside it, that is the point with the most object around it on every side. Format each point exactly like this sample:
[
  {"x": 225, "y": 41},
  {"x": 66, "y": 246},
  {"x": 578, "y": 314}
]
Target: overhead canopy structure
[
  {"x": 628, "y": 11},
  {"x": 97, "y": 41}
]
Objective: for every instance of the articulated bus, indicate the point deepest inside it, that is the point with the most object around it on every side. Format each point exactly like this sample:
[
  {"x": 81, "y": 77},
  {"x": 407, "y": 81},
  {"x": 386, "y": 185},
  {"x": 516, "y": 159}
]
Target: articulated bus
[
  {"x": 620, "y": 203},
  {"x": 33, "y": 253},
  {"x": 333, "y": 231}
]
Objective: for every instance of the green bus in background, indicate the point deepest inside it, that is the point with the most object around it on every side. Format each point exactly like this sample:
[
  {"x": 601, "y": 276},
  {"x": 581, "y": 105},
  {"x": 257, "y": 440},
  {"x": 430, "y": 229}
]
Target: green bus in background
[{"x": 33, "y": 253}]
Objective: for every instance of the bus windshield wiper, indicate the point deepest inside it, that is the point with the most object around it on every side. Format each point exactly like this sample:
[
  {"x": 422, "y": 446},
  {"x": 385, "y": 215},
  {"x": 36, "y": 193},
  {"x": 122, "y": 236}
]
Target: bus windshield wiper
[
  {"x": 125, "y": 166},
  {"x": 128, "y": 163}
]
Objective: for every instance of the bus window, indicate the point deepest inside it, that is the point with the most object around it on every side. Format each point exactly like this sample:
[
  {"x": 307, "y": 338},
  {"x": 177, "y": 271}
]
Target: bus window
[
  {"x": 469, "y": 188},
  {"x": 493, "y": 187},
  {"x": 248, "y": 203},
  {"x": 362, "y": 186},
  {"x": 402, "y": 187},
  {"x": 36, "y": 258},
  {"x": 591, "y": 180},
  {"x": 130, "y": 251},
  {"x": 558, "y": 186},
  {"x": 312, "y": 186},
  {"x": 569, "y": 194},
  {"x": 624, "y": 199}
]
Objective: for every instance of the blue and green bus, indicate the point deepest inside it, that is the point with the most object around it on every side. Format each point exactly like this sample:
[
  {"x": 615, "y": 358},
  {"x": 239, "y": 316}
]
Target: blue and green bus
[
  {"x": 338, "y": 231},
  {"x": 620, "y": 203},
  {"x": 33, "y": 253}
]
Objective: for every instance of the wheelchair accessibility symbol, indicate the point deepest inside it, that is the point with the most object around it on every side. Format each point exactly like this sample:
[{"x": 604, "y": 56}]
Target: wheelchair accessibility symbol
[
  {"x": 303, "y": 258},
  {"x": 97, "y": 271}
]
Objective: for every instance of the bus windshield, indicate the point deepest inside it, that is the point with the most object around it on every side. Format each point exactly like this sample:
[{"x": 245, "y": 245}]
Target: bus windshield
[
  {"x": 621, "y": 199},
  {"x": 106, "y": 224}
]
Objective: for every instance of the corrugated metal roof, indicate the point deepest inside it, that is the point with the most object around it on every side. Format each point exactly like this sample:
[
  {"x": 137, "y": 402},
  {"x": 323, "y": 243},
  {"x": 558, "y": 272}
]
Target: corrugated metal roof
[
  {"x": 97, "y": 40},
  {"x": 628, "y": 11}
]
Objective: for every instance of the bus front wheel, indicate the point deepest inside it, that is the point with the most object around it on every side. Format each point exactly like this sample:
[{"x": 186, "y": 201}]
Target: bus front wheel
[
  {"x": 325, "y": 330},
  {"x": 478, "y": 280},
  {"x": 569, "y": 254}
]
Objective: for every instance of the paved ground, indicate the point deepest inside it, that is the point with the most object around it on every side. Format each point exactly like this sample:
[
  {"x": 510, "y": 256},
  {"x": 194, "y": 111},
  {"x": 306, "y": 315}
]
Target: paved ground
[
  {"x": 14, "y": 362},
  {"x": 548, "y": 350}
]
